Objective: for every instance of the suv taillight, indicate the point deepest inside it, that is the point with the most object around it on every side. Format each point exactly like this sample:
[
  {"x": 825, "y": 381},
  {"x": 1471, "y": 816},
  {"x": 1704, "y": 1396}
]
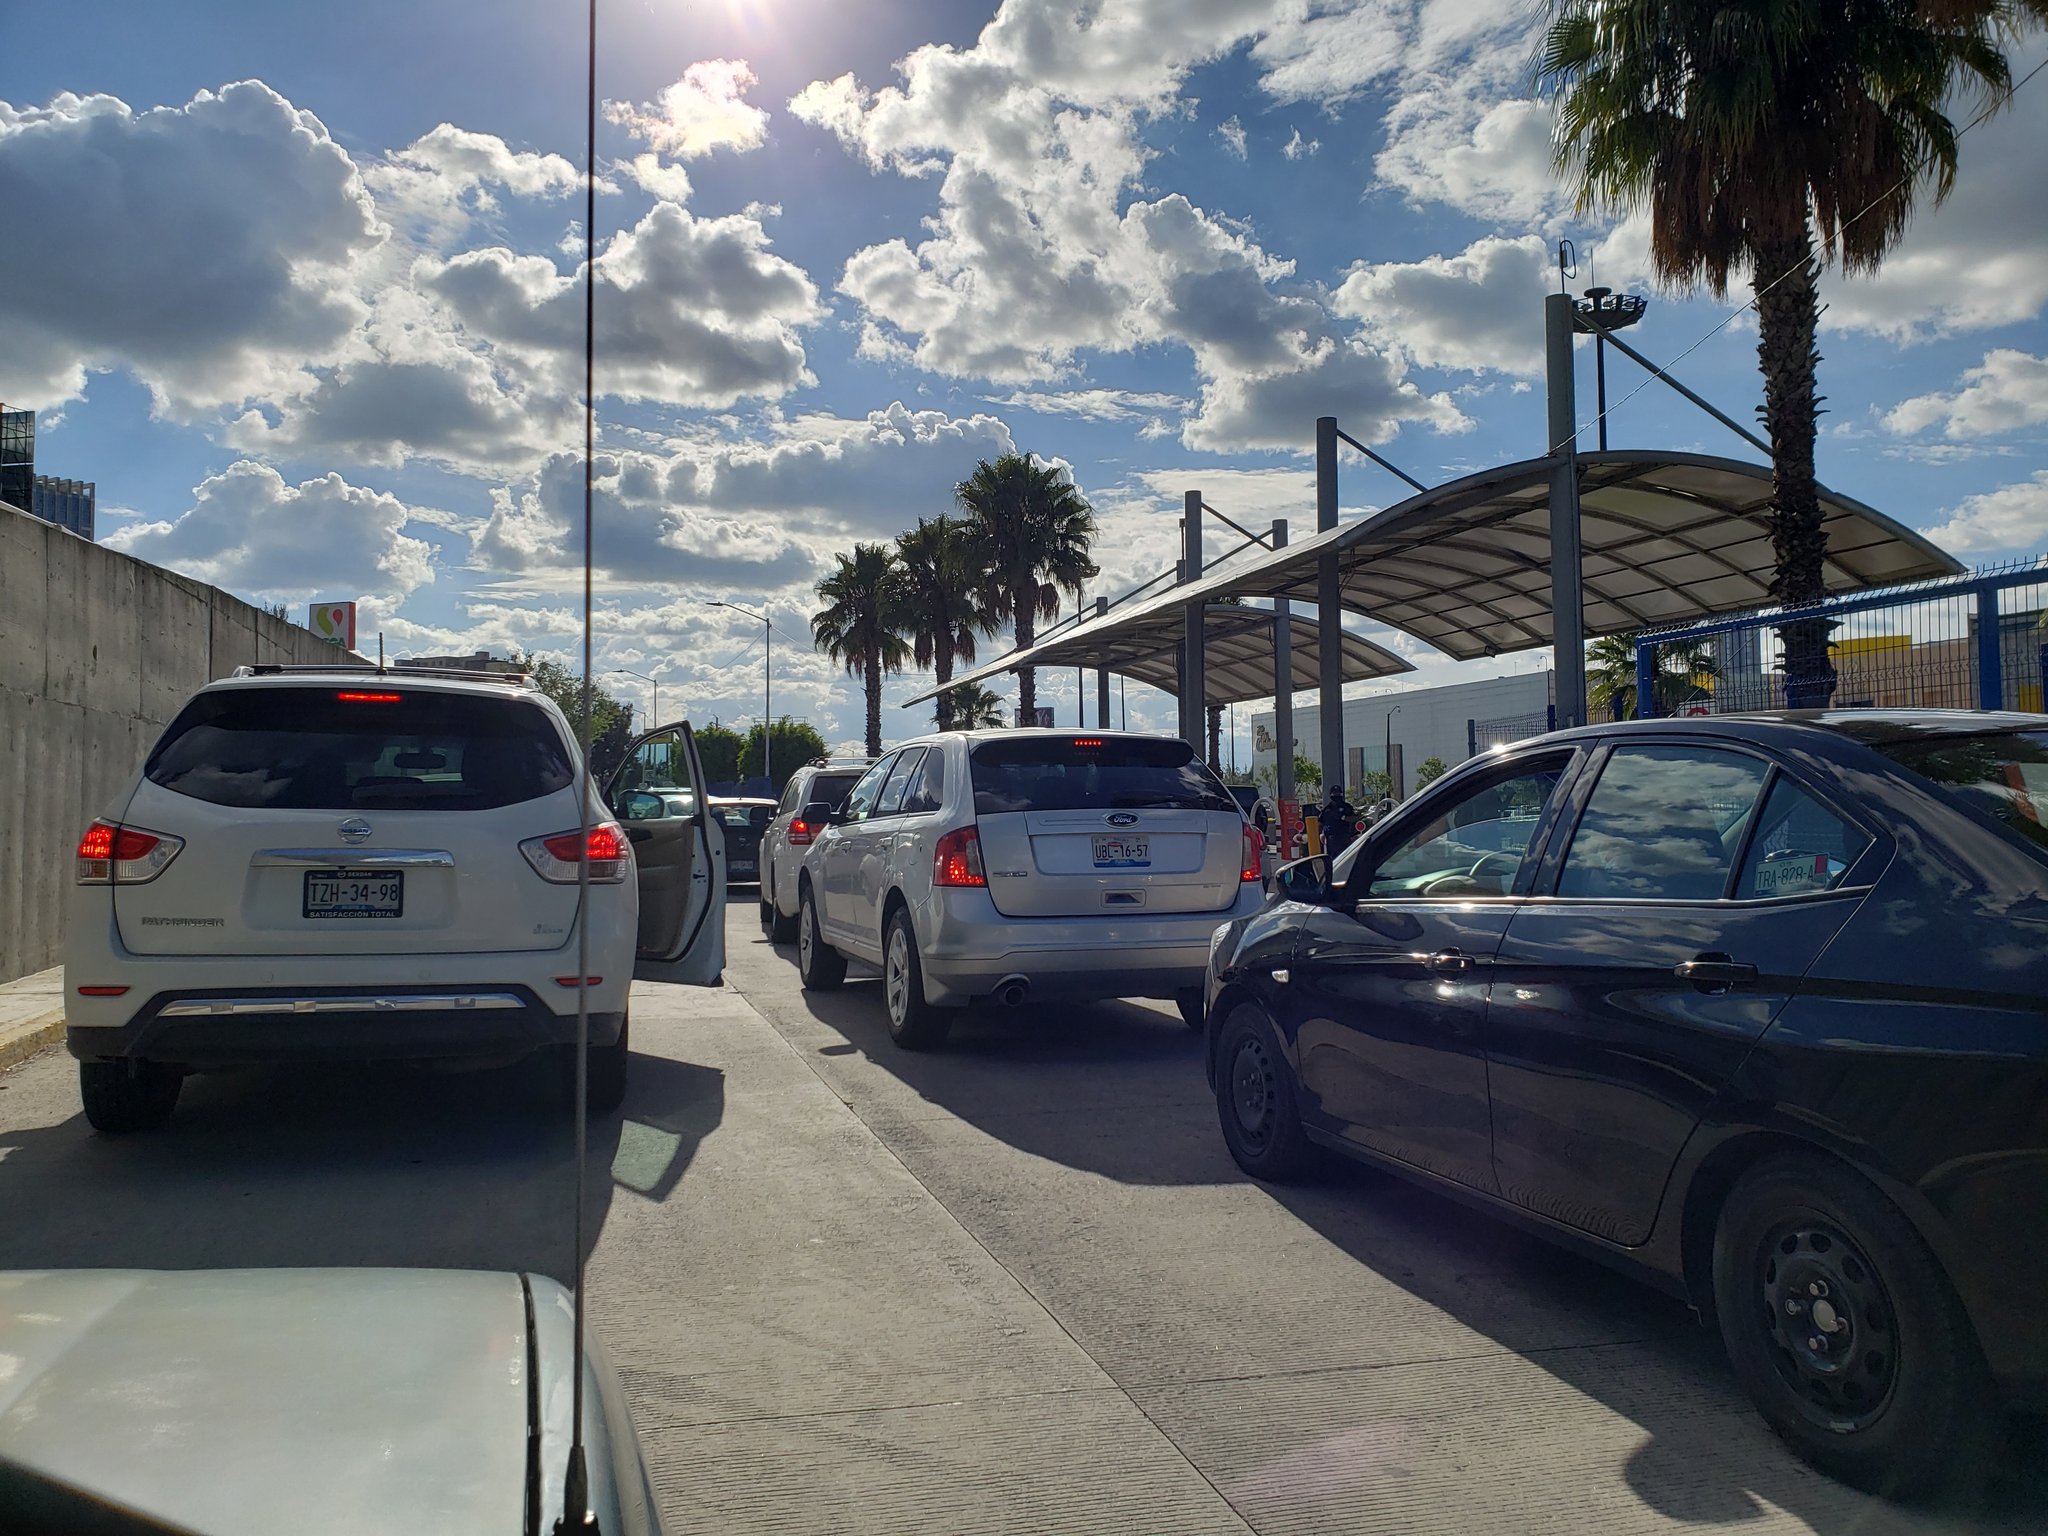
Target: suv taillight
[
  {"x": 111, "y": 854},
  {"x": 801, "y": 832},
  {"x": 1254, "y": 849},
  {"x": 554, "y": 858},
  {"x": 957, "y": 860}
]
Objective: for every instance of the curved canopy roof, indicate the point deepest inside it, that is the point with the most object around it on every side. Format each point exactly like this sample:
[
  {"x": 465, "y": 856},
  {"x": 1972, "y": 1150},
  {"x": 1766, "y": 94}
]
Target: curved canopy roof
[{"x": 1666, "y": 538}]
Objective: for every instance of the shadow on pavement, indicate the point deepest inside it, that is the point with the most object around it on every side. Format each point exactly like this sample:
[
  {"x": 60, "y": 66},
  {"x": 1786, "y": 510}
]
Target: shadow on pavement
[{"x": 354, "y": 1165}]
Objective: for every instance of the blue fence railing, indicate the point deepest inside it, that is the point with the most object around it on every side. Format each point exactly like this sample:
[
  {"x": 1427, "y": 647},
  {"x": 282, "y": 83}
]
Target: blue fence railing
[{"x": 1962, "y": 642}]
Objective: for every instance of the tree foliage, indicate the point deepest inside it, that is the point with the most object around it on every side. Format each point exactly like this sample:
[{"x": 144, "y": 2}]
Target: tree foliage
[
  {"x": 1429, "y": 770},
  {"x": 863, "y": 623},
  {"x": 945, "y": 581},
  {"x": 970, "y": 707},
  {"x": 1033, "y": 530},
  {"x": 611, "y": 719},
  {"x": 794, "y": 743}
]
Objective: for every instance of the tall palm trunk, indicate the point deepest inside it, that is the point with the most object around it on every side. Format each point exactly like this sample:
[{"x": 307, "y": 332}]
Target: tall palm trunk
[
  {"x": 1216, "y": 738},
  {"x": 871, "y": 671},
  {"x": 1025, "y": 585},
  {"x": 942, "y": 674},
  {"x": 1788, "y": 314}
]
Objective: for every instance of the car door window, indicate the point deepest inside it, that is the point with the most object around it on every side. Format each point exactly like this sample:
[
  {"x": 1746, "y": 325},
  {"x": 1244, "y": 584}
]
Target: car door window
[
  {"x": 860, "y": 800},
  {"x": 792, "y": 795},
  {"x": 890, "y": 801},
  {"x": 1800, "y": 846},
  {"x": 928, "y": 792},
  {"x": 1472, "y": 844},
  {"x": 1665, "y": 823},
  {"x": 655, "y": 782}
]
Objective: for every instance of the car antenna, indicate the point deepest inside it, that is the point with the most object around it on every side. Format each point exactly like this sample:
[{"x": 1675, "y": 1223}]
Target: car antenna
[{"x": 576, "y": 1511}]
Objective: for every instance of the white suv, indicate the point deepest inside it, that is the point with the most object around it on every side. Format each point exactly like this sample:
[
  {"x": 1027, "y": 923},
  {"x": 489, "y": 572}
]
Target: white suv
[
  {"x": 342, "y": 863},
  {"x": 1025, "y": 864},
  {"x": 789, "y": 836}
]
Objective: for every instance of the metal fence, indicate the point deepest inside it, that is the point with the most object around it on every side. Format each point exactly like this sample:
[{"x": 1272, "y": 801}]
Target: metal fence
[
  {"x": 1481, "y": 735},
  {"x": 1964, "y": 642}
]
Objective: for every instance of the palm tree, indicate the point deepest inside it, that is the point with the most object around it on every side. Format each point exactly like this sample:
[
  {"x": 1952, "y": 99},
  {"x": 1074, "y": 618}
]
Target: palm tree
[
  {"x": 863, "y": 626},
  {"x": 1611, "y": 673},
  {"x": 970, "y": 707},
  {"x": 1033, "y": 529},
  {"x": 1748, "y": 126},
  {"x": 943, "y": 584}
]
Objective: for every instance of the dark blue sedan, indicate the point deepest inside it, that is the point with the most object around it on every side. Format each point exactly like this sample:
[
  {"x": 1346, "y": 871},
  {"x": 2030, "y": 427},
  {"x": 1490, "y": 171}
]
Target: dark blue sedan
[{"x": 1754, "y": 1005}]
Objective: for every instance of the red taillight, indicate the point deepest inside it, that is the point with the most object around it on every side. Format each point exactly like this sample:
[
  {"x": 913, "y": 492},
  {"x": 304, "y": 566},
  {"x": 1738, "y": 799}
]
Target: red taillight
[
  {"x": 1087, "y": 741},
  {"x": 800, "y": 833},
  {"x": 102, "y": 991},
  {"x": 555, "y": 858},
  {"x": 570, "y": 981},
  {"x": 111, "y": 854},
  {"x": 1254, "y": 849},
  {"x": 957, "y": 860},
  {"x": 369, "y": 698}
]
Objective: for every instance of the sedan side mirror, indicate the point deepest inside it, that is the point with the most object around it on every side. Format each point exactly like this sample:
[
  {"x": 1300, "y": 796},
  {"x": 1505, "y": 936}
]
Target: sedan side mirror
[
  {"x": 819, "y": 813},
  {"x": 1305, "y": 880}
]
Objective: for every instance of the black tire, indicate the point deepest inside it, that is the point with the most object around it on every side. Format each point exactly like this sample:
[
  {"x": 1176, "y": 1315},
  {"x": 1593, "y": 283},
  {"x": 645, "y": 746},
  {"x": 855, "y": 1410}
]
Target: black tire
[
  {"x": 819, "y": 967},
  {"x": 1896, "y": 1398},
  {"x": 767, "y": 913},
  {"x": 605, "y": 1090},
  {"x": 1256, "y": 1099},
  {"x": 1189, "y": 1001},
  {"x": 125, "y": 1096},
  {"x": 914, "y": 1023},
  {"x": 781, "y": 930}
]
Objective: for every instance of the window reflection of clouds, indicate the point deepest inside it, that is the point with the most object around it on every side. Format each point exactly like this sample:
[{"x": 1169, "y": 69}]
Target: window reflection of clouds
[{"x": 1656, "y": 822}]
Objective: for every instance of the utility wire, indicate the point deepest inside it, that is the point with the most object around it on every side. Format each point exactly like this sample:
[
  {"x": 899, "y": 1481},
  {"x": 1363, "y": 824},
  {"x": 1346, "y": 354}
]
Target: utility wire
[{"x": 1751, "y": 302}]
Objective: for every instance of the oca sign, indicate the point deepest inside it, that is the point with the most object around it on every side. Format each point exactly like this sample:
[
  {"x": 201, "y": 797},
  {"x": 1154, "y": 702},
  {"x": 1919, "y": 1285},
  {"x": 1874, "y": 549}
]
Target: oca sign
[{"x": 334, "y": 622}]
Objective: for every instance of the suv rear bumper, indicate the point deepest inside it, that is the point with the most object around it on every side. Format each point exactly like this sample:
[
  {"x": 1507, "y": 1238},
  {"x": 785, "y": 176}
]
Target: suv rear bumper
[
  {"x": 244, "y": 1026},
  {"x": 966, "y": 947}
]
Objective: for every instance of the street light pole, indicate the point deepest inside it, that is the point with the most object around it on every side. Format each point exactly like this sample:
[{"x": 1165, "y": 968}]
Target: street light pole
[
  {"x": 767, "y": 689},
  {"x": 654, "y": 705},
  {"x": 1393, "y": 789}
]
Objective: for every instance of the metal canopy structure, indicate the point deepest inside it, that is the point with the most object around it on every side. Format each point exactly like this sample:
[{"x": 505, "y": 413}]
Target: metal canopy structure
[
  {"x": 1666, "y": 538},
  {"x": 1240, "y": 652}
]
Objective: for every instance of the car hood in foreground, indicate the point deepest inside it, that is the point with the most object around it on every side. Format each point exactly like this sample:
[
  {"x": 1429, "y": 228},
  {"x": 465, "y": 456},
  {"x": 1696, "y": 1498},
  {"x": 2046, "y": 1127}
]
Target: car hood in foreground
[{"x": 309, "y": 1401}]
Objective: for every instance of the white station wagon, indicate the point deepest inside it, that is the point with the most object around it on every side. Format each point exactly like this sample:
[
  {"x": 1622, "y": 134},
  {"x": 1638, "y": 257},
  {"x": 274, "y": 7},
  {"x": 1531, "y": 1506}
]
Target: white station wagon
[{"x": 1025, "y": 866}]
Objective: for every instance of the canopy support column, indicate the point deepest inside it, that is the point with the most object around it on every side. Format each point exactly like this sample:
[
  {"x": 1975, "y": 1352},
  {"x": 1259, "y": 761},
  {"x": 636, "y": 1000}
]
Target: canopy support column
[
  {"x": 1193, "y": 684},
  {"x": 1101, "y": 676},
  {"x": 1329, "y": 609},
  {"x": 1567, "y": 573},
  {"x": 1283, "y": 681}
]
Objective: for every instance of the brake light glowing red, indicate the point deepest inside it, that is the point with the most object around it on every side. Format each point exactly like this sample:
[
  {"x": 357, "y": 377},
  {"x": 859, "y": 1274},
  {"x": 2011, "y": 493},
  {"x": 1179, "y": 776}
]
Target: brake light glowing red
[
  {"x": 957, "y": 859},
  {"x": 1254, "y": 850},
  {"x": 800, "y": 833},
  {"x": 369, "y": 698},
  {"x": 555, "y": 858},
  {"x": 605, "y": 843},
  {"x": 1087, "y": 741},
  {"x": 110, "y": 854}
]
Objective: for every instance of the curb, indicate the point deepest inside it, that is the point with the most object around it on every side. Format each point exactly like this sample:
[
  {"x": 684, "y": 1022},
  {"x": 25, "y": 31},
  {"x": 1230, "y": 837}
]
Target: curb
[{"x": 18, "y": 1042}]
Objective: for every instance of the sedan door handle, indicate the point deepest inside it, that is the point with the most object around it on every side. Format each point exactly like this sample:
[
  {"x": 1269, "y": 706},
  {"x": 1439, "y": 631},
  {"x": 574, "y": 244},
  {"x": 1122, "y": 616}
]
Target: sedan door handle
[
  {"x": 1450, "y": 962},
  {"x": 1713, "y": 970}
]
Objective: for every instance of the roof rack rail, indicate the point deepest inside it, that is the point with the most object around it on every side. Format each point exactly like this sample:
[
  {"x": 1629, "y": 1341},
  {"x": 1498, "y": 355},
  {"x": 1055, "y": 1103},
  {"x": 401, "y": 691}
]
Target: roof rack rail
[{"x": 318, "y": 668}]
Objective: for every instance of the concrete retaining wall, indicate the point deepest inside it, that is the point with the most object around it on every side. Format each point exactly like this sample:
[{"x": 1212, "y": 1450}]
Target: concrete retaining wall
[{"x": 97, "y": 651}]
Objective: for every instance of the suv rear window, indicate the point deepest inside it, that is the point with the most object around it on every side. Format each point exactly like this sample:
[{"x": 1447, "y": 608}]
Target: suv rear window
[
  {"x": 1067, "y": 773},
  {"x": 312, "y": 749},
  {"x": 831, "y": 788},
  {"x": 2003, "y": 776}
]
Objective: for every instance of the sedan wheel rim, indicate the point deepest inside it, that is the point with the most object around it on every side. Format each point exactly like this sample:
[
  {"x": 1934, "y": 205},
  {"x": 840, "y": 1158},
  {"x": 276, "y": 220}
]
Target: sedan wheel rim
[
  {"x": 803, "y": 939},
  {"x": 898, "y": 980},
  {"x": 1252, "y": 1092},
  {"x": 1829, "y": 1323}
]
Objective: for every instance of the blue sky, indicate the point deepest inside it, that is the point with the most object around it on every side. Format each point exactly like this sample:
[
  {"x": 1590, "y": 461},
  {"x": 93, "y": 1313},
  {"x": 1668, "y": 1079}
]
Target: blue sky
[{"x": 302, "y": 296}]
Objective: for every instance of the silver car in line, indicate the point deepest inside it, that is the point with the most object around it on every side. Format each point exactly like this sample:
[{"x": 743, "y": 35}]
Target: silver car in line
[{"x": 1025, "y": 866}]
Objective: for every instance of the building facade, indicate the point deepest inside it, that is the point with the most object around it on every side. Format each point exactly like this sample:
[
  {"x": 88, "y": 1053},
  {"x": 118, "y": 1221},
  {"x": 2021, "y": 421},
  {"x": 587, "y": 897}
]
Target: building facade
[{"x": 71, "y": 504}]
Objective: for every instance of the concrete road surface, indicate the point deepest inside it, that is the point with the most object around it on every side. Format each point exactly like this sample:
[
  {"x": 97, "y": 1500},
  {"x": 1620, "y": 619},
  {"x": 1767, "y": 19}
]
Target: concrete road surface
[{"x": 1015, "y": 1287}]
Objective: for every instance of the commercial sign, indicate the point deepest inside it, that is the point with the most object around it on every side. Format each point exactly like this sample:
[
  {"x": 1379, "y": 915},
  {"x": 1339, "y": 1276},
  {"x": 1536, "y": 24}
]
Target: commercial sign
[{"x": 335, "y": 622}]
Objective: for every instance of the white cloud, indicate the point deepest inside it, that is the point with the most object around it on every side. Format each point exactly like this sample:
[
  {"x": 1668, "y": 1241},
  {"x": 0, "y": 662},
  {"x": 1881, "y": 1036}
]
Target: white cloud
[
  {"x": 2007, "y": 392},
  {"x": 1093, "y": 404},
  {"x": 250, "y": 531},
  {"x": 700, "y": 113},
  {"x": 438, "y": 182},
  {"x": 2014, "y": 517},
  {"x": 195, "y": 246},
  {"x": 653, "y": 175},
  {"x": 1231, "y": 131},
  {"x": 1447, "y": 142},
  {"x": 689, "y": 311},
  {"x": 1478, "y": 310},
  {"x": 1360, "y": 386},
  {"x": 1297, "y": 148}
]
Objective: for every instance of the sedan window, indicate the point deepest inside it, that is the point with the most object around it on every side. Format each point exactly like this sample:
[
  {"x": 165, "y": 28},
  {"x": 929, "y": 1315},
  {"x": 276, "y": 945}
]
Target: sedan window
[
  {"x": 2005, "y": 776},
  {"x": 1473, "y": 844},
  {"x": 860, "y": 801},
  {"x": 1800, "y": 846},
  {"x": 1664, "y": 824},
  {"x": 891, "y": 800}
]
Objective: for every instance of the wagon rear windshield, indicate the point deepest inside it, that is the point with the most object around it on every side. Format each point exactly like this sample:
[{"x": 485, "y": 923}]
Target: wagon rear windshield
[
  {"x": 1068, "y": 773},
  {"x": 360, "y": 747},
  {"x": 2004, "y": 776}
]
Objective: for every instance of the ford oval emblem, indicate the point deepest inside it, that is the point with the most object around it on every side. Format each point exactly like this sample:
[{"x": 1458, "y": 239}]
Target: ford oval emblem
[
  {"x": 1121, "y": 819},
  {"x": 354, "y": 830}
]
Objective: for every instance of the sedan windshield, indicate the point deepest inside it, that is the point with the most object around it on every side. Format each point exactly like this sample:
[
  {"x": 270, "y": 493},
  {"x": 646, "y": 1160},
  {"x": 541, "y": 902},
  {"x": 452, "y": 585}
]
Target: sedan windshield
[{"x": 2003, "y": 776}]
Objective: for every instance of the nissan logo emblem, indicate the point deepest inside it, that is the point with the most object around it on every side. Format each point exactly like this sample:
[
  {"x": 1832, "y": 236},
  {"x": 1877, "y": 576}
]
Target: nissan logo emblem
[
  {"x": 1121, "y": 819},
  {"x": 354, "y": 830}
]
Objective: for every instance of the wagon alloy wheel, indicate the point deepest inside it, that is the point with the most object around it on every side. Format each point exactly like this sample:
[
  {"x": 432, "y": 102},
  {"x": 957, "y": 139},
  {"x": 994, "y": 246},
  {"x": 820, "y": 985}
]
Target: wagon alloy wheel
[
  {"x": 1833, "y": 1323},
  {"x": 896, "y": 974}
]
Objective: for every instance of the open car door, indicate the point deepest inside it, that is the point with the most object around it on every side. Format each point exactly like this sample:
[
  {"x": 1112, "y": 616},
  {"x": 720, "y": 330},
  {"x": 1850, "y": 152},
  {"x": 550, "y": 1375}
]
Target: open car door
[{"x": 679, "y": 850}]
